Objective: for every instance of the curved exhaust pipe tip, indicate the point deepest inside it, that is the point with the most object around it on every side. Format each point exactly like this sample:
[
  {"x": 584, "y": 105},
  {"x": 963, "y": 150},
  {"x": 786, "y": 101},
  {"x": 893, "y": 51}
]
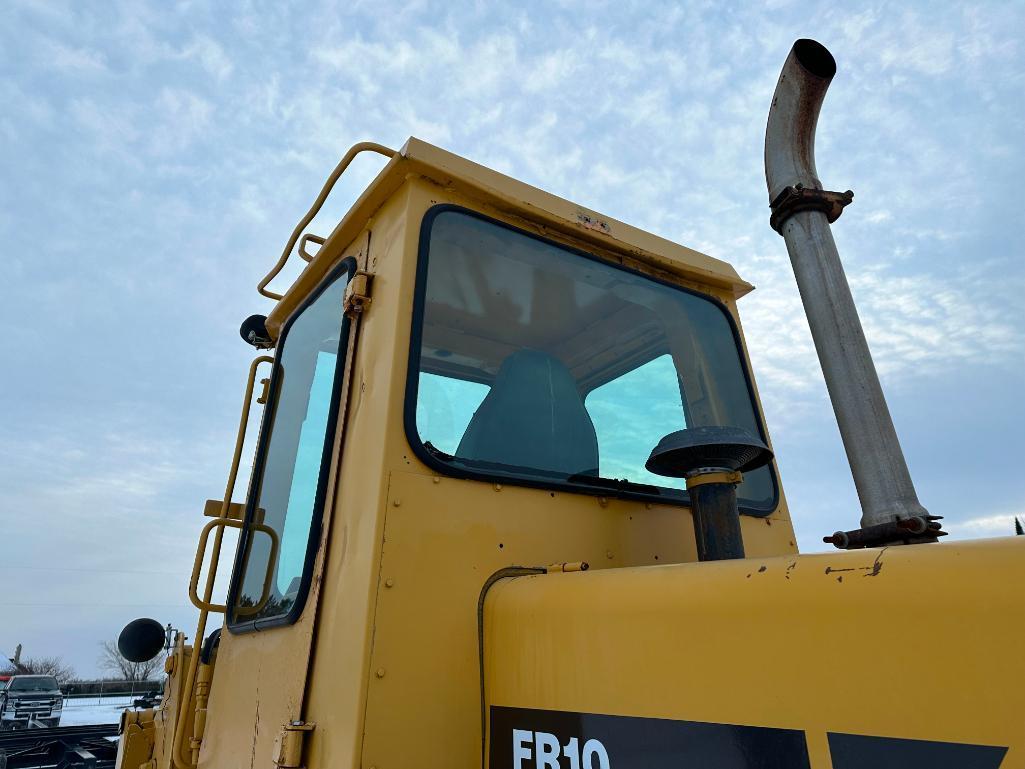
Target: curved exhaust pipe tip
[{"x": 790, "y": 132}]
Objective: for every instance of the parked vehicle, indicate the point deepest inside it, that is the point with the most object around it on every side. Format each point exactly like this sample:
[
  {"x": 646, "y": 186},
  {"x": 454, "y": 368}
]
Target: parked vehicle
[{"x": 30, "y": 702}]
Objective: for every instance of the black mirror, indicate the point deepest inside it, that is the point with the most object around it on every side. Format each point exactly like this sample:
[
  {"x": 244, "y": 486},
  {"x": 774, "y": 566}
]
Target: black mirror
[
  {"x": 254, "y": 332},
  {"x": 141, "y": 640}
]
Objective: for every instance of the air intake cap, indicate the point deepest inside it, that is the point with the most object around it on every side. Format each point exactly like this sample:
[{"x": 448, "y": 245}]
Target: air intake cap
[{"x": 687, "y": 451}]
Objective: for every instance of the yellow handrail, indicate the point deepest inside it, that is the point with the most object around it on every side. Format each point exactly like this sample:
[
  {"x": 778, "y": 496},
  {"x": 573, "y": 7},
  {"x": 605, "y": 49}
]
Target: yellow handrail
[
  {"x": 190, "y": 678},
  {"x": 197, "y": 567},
  {"x": 315, "y": 209}
]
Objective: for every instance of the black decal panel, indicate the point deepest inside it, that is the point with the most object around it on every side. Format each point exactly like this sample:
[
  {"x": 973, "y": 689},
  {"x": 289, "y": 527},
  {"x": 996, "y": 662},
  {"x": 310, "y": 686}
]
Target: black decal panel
[
  {"x": 852, "y": 751},
  {"x": 544, "y": 739}
]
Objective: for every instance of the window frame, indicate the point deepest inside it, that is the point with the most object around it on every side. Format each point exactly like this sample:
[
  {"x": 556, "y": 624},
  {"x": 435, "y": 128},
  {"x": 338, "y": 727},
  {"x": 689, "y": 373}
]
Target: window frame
[
  {"x": 476, "y": 474},
  {"x": 348, "y": 266}
]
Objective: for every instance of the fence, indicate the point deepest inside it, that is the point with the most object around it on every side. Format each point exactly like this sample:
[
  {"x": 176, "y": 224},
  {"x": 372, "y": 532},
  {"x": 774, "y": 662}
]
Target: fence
[{"x": 110, "y": 689}]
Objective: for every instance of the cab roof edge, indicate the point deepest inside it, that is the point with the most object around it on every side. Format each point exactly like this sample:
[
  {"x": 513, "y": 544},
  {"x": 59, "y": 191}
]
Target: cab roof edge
[
  {"x": 439, "y": 165},
  {"x": 584, "y": 223}
]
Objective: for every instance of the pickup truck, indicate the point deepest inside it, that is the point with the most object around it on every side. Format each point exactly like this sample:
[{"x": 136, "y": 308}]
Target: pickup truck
[{"x": 28, "y": 701}]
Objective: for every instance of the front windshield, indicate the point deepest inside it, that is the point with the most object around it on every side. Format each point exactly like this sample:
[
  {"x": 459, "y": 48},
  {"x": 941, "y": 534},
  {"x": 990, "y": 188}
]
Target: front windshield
[
  {"x": 33, "y": 684},
  {"x": 541, "y": 364}
]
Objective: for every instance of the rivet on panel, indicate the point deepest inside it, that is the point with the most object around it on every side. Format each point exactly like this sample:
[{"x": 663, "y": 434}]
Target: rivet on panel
[
  {"x": 609, "y": 555},
  {"x": 498, "y": 487},
  {"x": 397, "y": 502},
  {"x": 603, "y": 501},
  {"x": 389, "y": 583},
  {"x": 437, "y": 479},
  {"x": 380, "y": 672}
]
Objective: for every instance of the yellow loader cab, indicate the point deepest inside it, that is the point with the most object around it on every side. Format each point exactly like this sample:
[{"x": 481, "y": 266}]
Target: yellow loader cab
[{"x": 514, "y": 506}]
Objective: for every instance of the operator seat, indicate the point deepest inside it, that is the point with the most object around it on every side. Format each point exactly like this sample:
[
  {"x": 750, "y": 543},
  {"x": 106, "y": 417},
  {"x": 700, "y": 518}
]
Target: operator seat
[{"x": 533, "y": 417}]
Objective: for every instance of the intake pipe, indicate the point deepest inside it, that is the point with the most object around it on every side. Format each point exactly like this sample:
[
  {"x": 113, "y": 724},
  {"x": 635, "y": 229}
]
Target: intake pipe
[{"x": 802, "y": 212}]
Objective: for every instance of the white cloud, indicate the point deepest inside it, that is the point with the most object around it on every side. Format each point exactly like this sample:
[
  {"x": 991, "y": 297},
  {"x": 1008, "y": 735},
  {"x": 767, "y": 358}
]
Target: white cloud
[
  {"x": 210, "y": 55},
  {"x": 183, "y": 117},
  {"x": 992, "y": 525},
  {"x": 74, "y": 60}
]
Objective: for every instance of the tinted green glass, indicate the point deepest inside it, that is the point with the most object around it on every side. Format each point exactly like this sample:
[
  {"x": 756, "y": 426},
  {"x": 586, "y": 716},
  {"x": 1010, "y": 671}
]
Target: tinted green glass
[
  {"x": 295, "y": 445},
  {"x": 543, "y": 364}
]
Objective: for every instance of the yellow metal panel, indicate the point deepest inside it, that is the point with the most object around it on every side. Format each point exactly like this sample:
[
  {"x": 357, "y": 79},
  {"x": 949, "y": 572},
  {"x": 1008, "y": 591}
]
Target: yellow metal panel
[
  {"x": 914, "y": 642},
  {"x": 443, "y": 538},
  {"x": 336, "y": 694}
]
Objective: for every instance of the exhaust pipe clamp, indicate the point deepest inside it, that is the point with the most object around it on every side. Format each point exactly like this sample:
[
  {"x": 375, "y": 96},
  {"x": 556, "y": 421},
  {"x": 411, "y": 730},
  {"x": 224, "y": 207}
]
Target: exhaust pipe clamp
[{"x": 800, "y": 198}]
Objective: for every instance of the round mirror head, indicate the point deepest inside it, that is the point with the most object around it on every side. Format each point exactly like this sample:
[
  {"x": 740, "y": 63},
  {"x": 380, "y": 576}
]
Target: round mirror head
[
  {"x": 141, "y": 640},
  {"x": 254, "y": 332},
  {"x": 729, "y": 448}
]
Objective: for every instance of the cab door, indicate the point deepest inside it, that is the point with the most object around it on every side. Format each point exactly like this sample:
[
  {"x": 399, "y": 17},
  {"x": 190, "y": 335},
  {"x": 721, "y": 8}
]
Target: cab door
[{"x": 264, "y": 650}]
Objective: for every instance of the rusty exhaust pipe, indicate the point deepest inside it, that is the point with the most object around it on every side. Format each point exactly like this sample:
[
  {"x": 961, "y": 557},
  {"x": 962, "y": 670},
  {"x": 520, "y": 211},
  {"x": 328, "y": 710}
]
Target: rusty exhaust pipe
[{"x": 802, "y": 212}]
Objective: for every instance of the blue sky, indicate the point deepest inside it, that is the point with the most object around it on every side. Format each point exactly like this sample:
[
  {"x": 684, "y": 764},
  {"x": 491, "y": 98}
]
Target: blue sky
[{"x": 155, "y": 156}]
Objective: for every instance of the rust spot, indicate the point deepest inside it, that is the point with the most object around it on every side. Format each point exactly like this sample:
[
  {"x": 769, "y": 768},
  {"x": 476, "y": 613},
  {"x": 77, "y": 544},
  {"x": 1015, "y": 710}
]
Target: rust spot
[
  {"x": 762, "y": 568},
  {"x": 589, "y": 222},
  {"x": 840, "y": 578},
  {"x": 767, "y": 521},
  {"x": 792, "y": 565}
]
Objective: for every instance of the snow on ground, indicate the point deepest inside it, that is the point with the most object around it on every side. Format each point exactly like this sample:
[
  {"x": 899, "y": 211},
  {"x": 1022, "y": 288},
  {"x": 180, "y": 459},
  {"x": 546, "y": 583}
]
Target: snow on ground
[{"x": 94, "y": 710}]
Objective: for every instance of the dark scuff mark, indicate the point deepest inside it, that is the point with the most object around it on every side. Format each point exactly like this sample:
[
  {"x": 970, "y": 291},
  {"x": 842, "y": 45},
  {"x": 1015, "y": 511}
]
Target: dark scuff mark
[
  {"x": 762, "y": 568},
  {"x": 870, "y": 571},
  {"x": 790, "y": 567},
  {"x": 877, "y": 565},
  {"x": 256, "y": 730}
]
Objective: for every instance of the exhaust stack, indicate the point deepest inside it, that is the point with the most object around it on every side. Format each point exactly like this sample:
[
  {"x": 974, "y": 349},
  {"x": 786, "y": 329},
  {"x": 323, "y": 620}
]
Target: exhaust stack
[{"x": 802, "y": 212}]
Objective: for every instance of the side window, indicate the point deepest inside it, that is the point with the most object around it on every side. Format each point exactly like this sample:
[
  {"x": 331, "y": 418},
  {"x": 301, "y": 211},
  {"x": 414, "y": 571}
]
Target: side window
[
  {"x": 631, "y": 414},
  {"x": 292, "y": 465}
]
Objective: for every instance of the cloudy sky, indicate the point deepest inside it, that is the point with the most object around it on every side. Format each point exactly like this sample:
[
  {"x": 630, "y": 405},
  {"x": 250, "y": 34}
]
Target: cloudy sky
[{"x": 154, "y": 158}]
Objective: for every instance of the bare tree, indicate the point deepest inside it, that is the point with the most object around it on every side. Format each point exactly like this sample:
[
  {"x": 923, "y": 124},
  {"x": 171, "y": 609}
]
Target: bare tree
[
  {"x": 112, "y": 661},
  {"x": 43, "y": 666}
]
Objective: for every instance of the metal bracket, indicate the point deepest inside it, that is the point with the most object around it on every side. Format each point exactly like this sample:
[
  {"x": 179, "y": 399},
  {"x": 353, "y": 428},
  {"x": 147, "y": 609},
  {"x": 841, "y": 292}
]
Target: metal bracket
[
  {"x": 309, "y": 237},
  {"x": 288, "y": 745},
  {"x": 215, "y": 508},
  {"x": 908, "y": 531},
  {"x": 799, "y": 198},
  {"x": 714, "y": 476},
  {"x": 264, "y": 395},
  {"x": 357, "y": 293}
]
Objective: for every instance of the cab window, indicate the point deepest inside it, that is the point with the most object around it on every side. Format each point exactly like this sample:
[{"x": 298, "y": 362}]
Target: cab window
[
  {"x": 286, "y": 497},
  {"x": 538, "y": 364}
]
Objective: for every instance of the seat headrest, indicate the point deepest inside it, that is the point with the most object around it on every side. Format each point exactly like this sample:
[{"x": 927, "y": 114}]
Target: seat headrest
[{"x": 533, "y": 417}]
